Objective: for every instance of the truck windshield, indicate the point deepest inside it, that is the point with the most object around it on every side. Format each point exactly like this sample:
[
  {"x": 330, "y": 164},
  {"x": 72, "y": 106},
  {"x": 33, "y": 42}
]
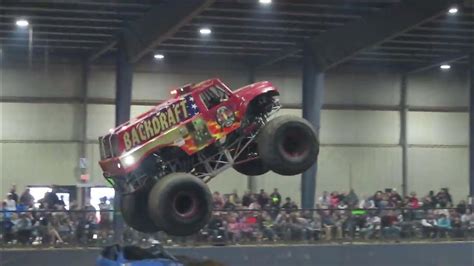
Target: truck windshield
[{"x": 214, "y": 96}]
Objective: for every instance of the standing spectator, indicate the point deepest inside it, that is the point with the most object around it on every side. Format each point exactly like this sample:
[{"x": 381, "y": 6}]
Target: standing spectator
[
  {"x": 334, "y": 199},
  {"x": 229, "y": 204},
  {"x": 234, "y": 198},
  {"x": 289, "y": 205},
  {"x": 367, "y": 203},
  {"x": 352, "y": 199},
  {"x": 395, "y": 198},
  {"x": 218, "y": 200},
  {"x": 262, "y": 198},
  {"x": 26, "y": 199},
  {"x": 13, "y": 193},
  {"x": 444, "y": 198},
  {"x": 325, "y": 199},
  {"x": 414, "y": 203},
  {"x": 10, "y": 203},
  {"x": 246, "y": 199},
  {"x": 106, "y": 214},
  {"x": 275, "y": 197},
  {"x": 50, "y": 199},
  {"x": 462, "y": 207}
]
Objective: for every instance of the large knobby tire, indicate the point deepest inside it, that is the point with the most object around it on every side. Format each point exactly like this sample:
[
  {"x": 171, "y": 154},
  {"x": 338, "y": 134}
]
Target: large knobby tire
[
  {"x": 180, "y": 204},
  {"x": 253, "y": 167},
  {"x": 134, "y": 208},
  {"x": 288, "y": 145}
]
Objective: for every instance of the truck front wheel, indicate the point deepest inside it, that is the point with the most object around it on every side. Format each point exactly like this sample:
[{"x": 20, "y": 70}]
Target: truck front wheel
[
  {"x": 134, "y": 211},
  {"x": 180, "y": 204},
  {"x": 288, "y": 145},
  {"x": 247, "y": 166}
]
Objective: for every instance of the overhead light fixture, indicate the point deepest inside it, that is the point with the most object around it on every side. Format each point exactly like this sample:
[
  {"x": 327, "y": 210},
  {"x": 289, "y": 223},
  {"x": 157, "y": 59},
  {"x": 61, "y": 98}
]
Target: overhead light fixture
[
  {"x": 445, "y": 67},
  {"x": 22, "y": 23},
  {"x": 453, "y": 10},
  {"x": 265, "y": 2},
  {"x": 158, "y": 56},
  {"x": 205, "y": 31}
]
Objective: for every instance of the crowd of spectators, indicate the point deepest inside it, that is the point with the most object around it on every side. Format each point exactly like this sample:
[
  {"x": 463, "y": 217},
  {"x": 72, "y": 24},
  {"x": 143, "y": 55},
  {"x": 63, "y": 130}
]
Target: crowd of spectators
[
  {"x": 46, "y": 221},
  {"x": 338, "y": 216},
  {"x": 250, "y": 218}
]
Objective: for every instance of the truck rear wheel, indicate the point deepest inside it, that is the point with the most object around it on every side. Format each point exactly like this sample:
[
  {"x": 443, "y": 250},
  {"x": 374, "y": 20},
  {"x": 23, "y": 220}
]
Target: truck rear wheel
[
  {"x": 252, "y": 167},
  {"x": 180, "y": 204},
  {"x": 135, "y": 212},
  {"x": 288, "y": 145}
]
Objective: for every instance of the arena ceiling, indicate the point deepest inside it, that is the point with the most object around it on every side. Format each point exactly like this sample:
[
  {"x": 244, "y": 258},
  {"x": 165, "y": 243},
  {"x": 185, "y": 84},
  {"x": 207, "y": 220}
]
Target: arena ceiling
[{"x": 241, "y": 29}]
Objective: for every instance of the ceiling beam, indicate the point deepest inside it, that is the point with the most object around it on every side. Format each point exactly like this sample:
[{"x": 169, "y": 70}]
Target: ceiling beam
[
  {"x": 340, "y": 44},
  {"x": 446, "y": 59},
  {"x": 158, "y": 24}
]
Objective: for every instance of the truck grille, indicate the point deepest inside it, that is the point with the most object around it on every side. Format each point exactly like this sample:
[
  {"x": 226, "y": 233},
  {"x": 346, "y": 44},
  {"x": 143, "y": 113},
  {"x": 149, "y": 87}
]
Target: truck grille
[{"x": 109, "y": 146}]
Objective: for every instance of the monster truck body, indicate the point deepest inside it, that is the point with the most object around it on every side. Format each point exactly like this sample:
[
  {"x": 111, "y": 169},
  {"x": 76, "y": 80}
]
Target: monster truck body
[{"x": 161, "y": 160}]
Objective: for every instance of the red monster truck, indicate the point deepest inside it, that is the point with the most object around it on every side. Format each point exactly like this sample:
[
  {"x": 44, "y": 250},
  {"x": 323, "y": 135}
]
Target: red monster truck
[{"x": 161, "y": 161}]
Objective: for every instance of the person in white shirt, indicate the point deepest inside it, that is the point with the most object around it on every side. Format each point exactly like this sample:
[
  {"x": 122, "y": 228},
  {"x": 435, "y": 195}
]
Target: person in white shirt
[
  {"x": 429, "y": 225},
  {"x": 10, "y": 203}
]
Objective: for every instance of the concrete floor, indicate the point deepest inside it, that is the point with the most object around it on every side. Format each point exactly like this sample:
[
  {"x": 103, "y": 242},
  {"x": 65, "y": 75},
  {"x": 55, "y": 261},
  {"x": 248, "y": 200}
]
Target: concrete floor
[{"x": 421, "y": 254}]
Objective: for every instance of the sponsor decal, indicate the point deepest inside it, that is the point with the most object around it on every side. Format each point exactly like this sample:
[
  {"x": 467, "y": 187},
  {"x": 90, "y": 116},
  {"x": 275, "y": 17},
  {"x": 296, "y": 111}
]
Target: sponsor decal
[
  {"x": 225, "y": 117},
  {"x": 160, "y": 122}
]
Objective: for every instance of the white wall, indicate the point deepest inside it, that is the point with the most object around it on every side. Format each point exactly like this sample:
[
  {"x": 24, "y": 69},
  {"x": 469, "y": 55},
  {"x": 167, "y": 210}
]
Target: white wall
[{"x": 40, "y": 141}]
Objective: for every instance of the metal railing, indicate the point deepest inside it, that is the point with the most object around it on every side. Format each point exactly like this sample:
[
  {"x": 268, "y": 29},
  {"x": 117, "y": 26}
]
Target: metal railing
[{"x": 229, "y": 227}]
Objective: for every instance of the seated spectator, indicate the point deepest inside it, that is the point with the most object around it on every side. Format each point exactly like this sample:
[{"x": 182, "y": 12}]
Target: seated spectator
[
  {"x": 330, "y": 225},
  {"x": 267, "y": 227},
  {"x": 314, "y": 227},
  {"x": 23, "y": 227},
  {"x": 467, "y": 220},
  {"x": 457, "y": 227},
  {"x": 444, "y": 225},
  {"x": 217, "y": 227},
  {"x": 372, "y": 226},
  {"x": 390, "y": 225},
  {"x": 429, "y": 226}
]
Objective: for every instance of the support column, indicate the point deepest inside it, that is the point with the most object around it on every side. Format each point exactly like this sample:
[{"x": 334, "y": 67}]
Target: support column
[
  {"x": 403, "y": 133},
  {"x": 251, "y": 180},
  {"x": 471, "y": 125},
  {"x": 313, "y": 88},
  {"x": 82, "y": 191},
  {"x": 123, "y": 101}
]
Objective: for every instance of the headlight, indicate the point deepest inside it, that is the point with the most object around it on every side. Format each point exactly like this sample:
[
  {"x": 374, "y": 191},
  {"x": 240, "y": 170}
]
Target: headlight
[{"x": 129, "y": 160}]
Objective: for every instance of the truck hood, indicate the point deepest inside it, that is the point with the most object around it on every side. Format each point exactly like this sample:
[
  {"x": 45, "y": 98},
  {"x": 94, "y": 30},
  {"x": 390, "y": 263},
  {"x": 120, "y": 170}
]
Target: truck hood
[{"x": 250, "y": 91}]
